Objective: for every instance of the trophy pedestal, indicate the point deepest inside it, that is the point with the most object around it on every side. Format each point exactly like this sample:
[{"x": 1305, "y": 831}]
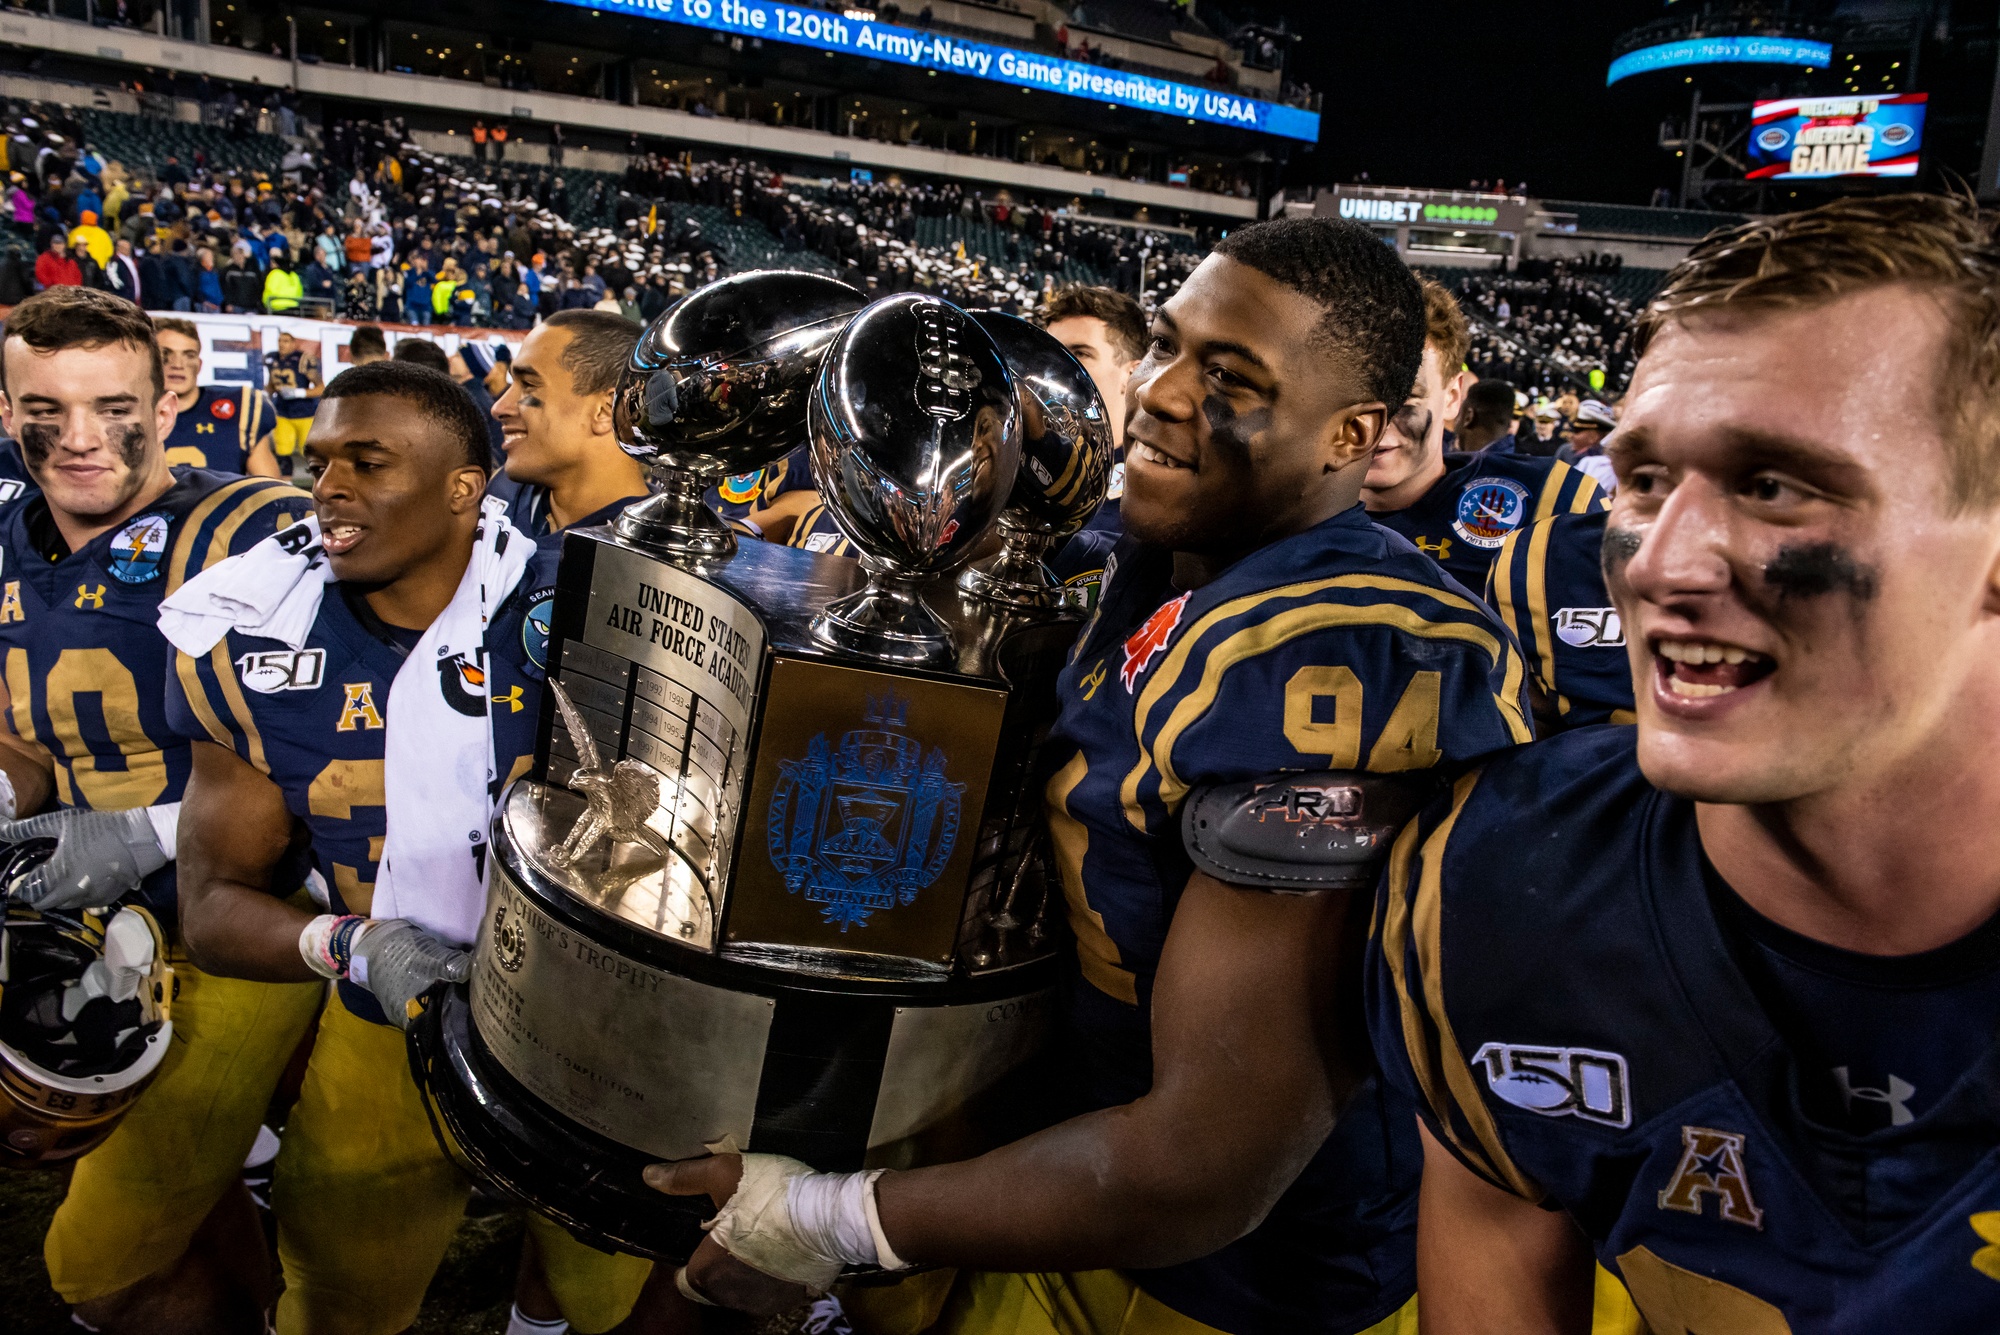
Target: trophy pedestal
[{"x": 825, "y": 937}]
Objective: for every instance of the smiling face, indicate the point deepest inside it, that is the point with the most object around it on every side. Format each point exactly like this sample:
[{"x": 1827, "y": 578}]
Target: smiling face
[
  {"x": 1801, "y": 606},
  {"x": 90, "y": 427},
  {"x": 1244, "y": 427},
  {"x": 546, "y": 428},
  {"x": 391, "y": 486}
]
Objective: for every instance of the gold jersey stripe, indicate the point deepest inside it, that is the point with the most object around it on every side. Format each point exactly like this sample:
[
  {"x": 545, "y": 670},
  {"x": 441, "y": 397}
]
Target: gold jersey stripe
[
  {"x": 1163, "y": 680},
  {"x": 1281, "y": 629},
  {"x": 1096, "y": 953}
]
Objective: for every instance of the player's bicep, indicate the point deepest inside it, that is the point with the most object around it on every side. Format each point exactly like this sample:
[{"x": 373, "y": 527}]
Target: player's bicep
[
  {"x": 28, "y": 764},
  {"x": 1247, "y": 1013},
  {"x": 1490, "y": 1263},
  {"x": 234, "y": 825}
]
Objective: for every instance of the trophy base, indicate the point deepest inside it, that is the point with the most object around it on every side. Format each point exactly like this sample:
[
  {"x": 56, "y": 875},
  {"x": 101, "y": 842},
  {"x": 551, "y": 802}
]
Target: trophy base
[
  {"x": 500, "y": 1133},
  {"x": 671, "y": 524},
  {"x": 886, "y": 620}
]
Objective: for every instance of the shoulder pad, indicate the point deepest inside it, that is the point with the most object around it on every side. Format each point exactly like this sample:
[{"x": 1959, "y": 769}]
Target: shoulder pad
[{"x": 1294, "y": 833}]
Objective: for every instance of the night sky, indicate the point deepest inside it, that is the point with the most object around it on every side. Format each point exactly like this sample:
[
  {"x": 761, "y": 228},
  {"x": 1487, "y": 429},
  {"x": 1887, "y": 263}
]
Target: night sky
[{"x": 1434, "y": 93}]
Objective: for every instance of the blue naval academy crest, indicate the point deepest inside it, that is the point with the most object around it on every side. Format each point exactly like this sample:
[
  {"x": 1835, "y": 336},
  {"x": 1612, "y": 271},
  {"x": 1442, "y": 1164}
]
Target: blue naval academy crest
[
  {"x": 864, "y": 825},
  {"x": 138, "y": 548},
  {"x": 1489, "y": 510}
]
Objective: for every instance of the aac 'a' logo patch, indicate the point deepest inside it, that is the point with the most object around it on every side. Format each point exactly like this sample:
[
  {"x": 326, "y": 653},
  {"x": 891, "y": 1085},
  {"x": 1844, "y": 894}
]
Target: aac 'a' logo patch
[
  {"x": 138, "y": 549},
  {"x": 1711, "y": 1164},
  {"x": 1559, "y": 1082},
  {"x": 272, "y": 670},
  {"x": 1489, "y": 510},
  {"x": 535, "y": 628},
  {"x": 1150, "y": 641},
  {"x": 222, "y": 407}
]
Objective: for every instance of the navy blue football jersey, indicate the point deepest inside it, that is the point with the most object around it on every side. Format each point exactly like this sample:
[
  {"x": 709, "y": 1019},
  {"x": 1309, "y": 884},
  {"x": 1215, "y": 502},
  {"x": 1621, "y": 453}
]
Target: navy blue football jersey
[
  {"x": 220, "y": 428},
  {"x": 528, "y": 506},
  {"x": 1462, "y": 521},
  {"x": 1548, "y": 586},
  {"x": 816, "y": 531},
  {"x": 314, "y": 719},
  {"x": 1578, "y": 1021},
  {"x": 80, "y": 640},
  {"x": 1079, "y": 564},
  {"x": 286, "y": 371},
  {"x": 1341, "y": 647},
  {"x": 15, "y": 481}
]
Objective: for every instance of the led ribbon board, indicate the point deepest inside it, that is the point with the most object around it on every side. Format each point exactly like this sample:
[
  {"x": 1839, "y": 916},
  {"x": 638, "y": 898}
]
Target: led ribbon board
[
  {"x": 955, "y": 55},
  {"x": 1819, "y": 138},
  {"x": 1721, "y": 51}
]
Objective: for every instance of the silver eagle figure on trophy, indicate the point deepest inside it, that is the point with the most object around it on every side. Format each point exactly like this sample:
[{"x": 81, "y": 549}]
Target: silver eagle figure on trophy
[{"x": 619, "y": 799}]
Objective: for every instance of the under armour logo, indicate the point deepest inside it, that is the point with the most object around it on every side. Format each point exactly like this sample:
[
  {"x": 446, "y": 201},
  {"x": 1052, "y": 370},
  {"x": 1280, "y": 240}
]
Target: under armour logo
[
  {"x": 1896, "y": 1096},
  {"x": 1437, "y": 551},
  {"x": 1092, "y": 680},
  {"x": 86, "y": 594},
  {"x": 513, "y": 700}
]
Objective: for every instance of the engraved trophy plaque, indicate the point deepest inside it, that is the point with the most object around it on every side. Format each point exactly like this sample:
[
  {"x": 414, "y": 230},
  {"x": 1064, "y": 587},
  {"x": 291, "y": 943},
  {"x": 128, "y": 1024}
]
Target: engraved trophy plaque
[{"x": 775, "y": 875}]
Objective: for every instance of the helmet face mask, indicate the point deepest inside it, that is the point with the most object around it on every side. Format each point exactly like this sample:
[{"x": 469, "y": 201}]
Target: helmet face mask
[{"x": 86, "y": 1006}]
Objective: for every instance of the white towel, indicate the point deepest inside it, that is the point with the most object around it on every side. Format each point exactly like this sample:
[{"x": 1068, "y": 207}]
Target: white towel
[
  {"x": 438, "y": 741},
  {"x": 438, "y": 770},
  {"x": 272, "y": 590}
]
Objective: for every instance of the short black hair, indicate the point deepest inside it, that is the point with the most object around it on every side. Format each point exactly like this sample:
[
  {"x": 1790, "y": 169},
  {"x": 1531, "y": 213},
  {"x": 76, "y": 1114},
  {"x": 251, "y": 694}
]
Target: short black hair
[
  {"x": 1374, "y": 305},
  {"x": 1490, "y": 402},
  {"x": 368, "y": 338},
  {"x": 433, "y": 393},
  {"x": 422, "y": 352},
  {"x": 600, "y": 344}
]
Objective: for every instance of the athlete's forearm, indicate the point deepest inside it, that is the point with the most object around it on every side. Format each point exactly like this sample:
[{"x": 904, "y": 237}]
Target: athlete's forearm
[
  {"x": 1246, "y": 1078},
  {"x": 234, "y": 832},
  {"x": 240, "y": 931}
]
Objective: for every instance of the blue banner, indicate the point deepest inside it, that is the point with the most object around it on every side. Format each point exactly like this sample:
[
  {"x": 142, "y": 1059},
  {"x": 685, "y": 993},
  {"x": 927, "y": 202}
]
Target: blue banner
[
  {"x": 920, "y": 49},
  {"x": 1722, "y": 51}
]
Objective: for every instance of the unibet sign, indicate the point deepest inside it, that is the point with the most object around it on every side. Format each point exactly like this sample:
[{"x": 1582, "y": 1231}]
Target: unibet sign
[{"x": 1366, "y": 208}]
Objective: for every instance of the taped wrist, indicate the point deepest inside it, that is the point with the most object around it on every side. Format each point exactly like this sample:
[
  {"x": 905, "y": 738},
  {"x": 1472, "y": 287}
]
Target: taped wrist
[
  {"x": 327, "y": 943},
  {"x": 802, "y": 1226},
  {"x": 1299, "y": 833}
]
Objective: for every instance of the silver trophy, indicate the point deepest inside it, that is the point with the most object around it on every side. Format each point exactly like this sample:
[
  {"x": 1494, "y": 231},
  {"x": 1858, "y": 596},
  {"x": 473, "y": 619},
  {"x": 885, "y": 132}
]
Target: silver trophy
[
  {"x": 717, "y": 386},
  {"x": 916, "y": 437},
  {"x": 1065, "y": 464},
  {"x": 774, "y": 874}
]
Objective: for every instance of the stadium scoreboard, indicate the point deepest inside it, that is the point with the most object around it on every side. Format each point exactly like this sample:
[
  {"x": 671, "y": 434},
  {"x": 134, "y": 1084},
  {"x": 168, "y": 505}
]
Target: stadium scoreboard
[
  {"x": 947, "y": 53},
  {"x": 1822, "y": 138}
]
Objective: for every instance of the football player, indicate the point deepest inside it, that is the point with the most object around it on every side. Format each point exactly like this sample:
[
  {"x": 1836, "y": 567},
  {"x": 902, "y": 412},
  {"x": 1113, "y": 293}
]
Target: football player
[
  {"x": 226, "y": 428},
  {"x": 1724, "y": 1016},
  {"x": 1459, "y": 508},
  {"x": 564, "y": 470},
  {"x": 84, "y": 563},
  {"x": 1106, "y": 331},
  {"x": 1254, "y": 624},
  {"x": 767, "y": 504},
  {"x": 291, "y": 741},
  {"x": 1548, "y": 586},
  {"x": 291, "y": 374},
  {"x": 563, "y": 466}
]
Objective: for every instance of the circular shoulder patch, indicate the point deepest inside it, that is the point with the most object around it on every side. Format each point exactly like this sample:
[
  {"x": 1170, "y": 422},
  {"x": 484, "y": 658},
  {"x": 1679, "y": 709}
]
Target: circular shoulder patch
[
  {"x": 535, "y": 627},
  {"x": 222, "y": 406},
  {"x": 138, "y": 549},
  {"x": 1489, "y": 510},
  {"x": 740, "y": 489}
]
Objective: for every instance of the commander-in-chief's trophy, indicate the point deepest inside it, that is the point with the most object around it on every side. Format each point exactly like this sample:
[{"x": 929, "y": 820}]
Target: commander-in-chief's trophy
[{"x": 775, "y": 878}]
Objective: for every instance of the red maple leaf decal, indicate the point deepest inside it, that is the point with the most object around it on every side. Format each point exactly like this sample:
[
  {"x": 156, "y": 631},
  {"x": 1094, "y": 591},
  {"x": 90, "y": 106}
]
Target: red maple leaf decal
[{"x": 1150, "y": 641}]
